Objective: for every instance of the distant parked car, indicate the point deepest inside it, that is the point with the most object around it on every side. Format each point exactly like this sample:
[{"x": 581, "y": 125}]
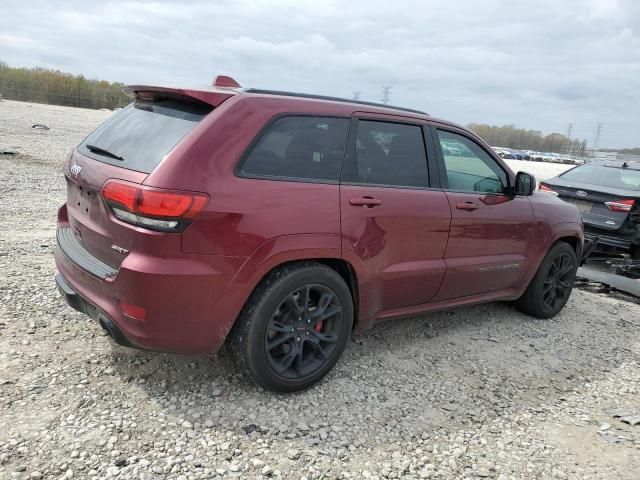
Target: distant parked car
[
  {"x": 279, "y": 223},
  {"x": 608, "y": 196}
]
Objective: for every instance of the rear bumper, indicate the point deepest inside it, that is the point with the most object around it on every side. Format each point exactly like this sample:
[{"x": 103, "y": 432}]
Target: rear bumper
[
  {"x": 70, "y": 246},
  {"x": 609, "y": 239},
  {"x": 183, "y": 298},
  {"x": 80, "y": 304}
]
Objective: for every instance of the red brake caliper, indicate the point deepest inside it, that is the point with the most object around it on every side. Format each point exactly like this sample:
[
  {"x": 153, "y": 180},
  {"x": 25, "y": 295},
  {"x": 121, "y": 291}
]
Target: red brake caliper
[{"x": 318, "y": 327}]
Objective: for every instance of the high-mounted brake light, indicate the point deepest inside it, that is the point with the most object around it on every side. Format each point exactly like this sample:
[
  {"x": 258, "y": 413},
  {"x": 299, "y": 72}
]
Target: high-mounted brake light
[
  {"x": 544, "y": 188},
  {"x": 620, "y": 205},
  {"x": 225, "y": 82},
  {"x": 152, "y": 208}
]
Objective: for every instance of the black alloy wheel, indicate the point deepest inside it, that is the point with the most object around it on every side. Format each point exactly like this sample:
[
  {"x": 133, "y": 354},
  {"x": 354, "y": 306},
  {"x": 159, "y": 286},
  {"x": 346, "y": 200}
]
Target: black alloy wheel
[
  {"x": 551, "y": 286},
  {"x": 303, "y": 331},
  {"x": 559, "y": 282},
  {"x": 294, "y": 327}
]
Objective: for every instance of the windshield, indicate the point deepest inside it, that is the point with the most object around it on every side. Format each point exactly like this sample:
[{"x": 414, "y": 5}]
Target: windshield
[
  {"x": 139, "y": 136},
  {"x": 606, "y": 176}
]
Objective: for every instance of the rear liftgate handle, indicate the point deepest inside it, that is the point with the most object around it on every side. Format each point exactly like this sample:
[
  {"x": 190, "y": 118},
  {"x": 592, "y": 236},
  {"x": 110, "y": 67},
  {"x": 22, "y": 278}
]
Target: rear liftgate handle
[{"x": 366, "y": 202}]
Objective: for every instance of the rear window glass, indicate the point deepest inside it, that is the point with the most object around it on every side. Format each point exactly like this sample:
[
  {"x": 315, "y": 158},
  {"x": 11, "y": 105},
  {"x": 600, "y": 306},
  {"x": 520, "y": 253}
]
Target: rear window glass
[
  {"x": 388, "y": 154},
  {"x": 140, "y": 135},
  {"x": 300, "y": 147},
  {"x": 614, "y": 177}
]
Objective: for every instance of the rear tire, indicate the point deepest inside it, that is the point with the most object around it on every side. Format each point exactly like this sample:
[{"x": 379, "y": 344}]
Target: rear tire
[
  {"x": 552, "y": 284},
  {"x": 294, "y": 327}
]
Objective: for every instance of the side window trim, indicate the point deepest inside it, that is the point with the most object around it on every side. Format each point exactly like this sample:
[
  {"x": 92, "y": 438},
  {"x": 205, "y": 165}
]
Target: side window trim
[
  {"x": 442, "y": 170},
  {"x": 350, "y": 154},
  {"x": 435, "y": 171},
  {"x": 442, "y": 167},
  {"x": 349, "y": 159},
  {"x": 240, "y": 173}
]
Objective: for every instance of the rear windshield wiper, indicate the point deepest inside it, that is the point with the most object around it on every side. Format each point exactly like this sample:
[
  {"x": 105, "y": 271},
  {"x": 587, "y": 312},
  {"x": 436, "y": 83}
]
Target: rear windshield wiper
[{"x": 102, "y": 151}]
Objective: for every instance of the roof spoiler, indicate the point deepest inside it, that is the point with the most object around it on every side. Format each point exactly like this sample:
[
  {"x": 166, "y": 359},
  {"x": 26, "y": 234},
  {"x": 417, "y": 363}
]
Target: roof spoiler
[{"x": 211, "y": 96}]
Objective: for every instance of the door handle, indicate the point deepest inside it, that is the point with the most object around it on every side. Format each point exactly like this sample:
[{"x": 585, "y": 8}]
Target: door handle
[
  {"x": 366, "y": 202},
  {"x": 467, "y": 206}
]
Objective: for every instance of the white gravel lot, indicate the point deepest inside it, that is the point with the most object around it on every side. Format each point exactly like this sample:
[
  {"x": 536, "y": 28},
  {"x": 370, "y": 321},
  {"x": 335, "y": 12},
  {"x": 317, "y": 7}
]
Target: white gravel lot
[
  {"x": 541, "y": 170},
  {"x": 481, "y": 392}
]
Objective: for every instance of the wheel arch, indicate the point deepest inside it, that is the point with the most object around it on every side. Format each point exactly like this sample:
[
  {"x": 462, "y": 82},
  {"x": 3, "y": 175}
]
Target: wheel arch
[
  {"x": 571, "y": 233},
  {"x": 279, "y": 252},
  {"x": 543, "y": 242},
  {"x": 349, "y": 275},
  {"x": 575, "y": 243},
  {"x": 339, "y": 265}
]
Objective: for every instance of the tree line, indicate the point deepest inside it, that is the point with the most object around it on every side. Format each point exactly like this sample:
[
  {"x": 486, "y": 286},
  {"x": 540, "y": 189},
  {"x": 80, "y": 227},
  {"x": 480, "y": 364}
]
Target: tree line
[
  {"x": 518, "y": 138},
  {"x": 42, "y": 85},
  {"x": 627, "y": 151}
]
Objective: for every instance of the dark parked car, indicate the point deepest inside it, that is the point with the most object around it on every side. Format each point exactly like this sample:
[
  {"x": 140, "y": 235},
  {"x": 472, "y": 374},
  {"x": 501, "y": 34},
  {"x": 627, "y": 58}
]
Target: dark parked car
[
  {"x": 607, "y": 194},
  {"x": 279, "y": 223}
]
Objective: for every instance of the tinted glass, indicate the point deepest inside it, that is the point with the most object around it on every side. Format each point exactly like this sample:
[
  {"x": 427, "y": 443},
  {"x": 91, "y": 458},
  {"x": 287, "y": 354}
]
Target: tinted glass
[
  {"x": 143, "y": 133},
  {"x": 615, "y": 177},
  {"x": 388, "y": 154},
  {"x": 300, "y": 147},
  {"x": 469, "y": 168}
]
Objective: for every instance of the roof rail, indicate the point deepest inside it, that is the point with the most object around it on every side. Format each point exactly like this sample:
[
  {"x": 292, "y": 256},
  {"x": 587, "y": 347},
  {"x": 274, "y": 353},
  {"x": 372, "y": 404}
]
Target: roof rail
[{"x": 332, "y": 99}]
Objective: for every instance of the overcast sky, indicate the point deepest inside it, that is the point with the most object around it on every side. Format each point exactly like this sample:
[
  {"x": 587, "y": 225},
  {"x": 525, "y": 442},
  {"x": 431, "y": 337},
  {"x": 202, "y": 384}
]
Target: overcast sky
[{"x": 537, "y": 64}]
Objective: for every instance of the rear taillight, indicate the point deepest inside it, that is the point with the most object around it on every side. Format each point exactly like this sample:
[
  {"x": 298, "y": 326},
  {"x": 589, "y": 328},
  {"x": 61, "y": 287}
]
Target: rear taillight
[
  {"x": 545, "y": 188},
  {"x": 620, "y": 205},
  {"x": 152, "y": 208}
]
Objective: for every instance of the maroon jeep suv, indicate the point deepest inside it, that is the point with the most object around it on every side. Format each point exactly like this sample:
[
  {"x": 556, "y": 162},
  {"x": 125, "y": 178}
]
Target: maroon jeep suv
[{"x": 278, "y": 223}]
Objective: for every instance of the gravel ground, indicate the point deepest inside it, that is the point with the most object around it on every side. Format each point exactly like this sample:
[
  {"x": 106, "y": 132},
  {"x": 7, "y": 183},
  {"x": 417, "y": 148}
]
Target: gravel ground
[
  {"x": 482, "y": 392},
  {"x": 542, "y": 171}
]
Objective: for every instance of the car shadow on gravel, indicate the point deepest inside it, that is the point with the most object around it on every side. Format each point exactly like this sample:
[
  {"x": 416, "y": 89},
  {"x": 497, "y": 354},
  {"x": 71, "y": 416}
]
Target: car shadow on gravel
[{"x": 405, "y": 376}]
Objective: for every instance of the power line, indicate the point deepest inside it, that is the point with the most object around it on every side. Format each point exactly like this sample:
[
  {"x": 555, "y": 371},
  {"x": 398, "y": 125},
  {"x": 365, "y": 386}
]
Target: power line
[{"x": 386, "y": 90}]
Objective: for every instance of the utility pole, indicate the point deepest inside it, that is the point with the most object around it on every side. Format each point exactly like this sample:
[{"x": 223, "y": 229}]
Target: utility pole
[
  {"x": 356, "y": 95},
  {"x": 596, "y": 141},
  {"x": 386, "y": 90}
]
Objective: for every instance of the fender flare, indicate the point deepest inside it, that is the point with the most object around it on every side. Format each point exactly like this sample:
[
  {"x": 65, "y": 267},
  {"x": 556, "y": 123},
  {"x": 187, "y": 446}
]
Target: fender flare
[
  {"x": 556, "y": 232},
  {"x": 569, "y": 230},
  {"x": 269, "y": 255}
]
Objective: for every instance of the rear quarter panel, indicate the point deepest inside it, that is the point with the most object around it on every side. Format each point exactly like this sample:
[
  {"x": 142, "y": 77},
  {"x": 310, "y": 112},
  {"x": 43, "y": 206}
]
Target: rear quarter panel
[
  {"x": 260, "y": 223},
  {"x": 243, "y": 213}
]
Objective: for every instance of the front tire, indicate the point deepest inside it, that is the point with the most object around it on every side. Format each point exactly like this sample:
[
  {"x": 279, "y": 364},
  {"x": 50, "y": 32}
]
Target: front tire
[
  {"x": 552, "y": 284},
  {"x": 294, "y": 327}
]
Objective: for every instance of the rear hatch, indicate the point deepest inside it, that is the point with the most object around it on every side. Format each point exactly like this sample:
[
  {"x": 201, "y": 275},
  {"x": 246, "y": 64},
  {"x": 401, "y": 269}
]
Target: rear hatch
[
  {"x": 125, "y": 148},
  {"x": 605, "y": 195}
]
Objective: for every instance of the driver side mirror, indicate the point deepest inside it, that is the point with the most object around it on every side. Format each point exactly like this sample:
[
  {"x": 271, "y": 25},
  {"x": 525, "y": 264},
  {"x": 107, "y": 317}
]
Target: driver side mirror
[{"x": 525, "y": 184}]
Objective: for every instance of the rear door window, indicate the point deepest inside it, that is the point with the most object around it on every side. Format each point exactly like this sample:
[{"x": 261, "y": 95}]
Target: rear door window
[
  {"x": 299, "y": 147},
  {"x": 142, "y": 134},
  {"x": 388, "y": 153}
]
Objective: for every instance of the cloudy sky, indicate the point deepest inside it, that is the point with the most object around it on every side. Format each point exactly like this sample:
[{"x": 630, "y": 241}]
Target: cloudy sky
[{"x": 539, "y": 64}]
